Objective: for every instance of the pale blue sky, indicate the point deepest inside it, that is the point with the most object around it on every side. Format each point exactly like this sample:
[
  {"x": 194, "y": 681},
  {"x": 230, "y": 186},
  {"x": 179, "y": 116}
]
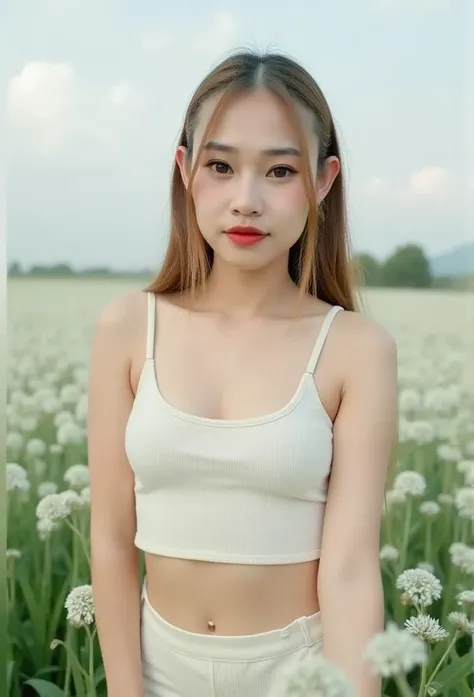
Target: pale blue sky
[{"x": 98, "y": 90}]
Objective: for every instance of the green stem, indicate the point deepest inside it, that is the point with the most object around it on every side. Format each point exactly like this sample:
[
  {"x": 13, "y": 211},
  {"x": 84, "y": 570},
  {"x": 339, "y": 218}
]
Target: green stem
[
  {"x": 428, "y": 541},
  {"x": 440, "y": 662},
  {"x": 67, "y": 677},
  {"x": 464, "y": 529},
  {"x": 46, "y": 572},
  {"x": 81, "y": 539},
  {"x": 92, "y": 691},
  {"x": 424, "y": 668},
  {"x": 406, "y": 536},
  {"x": 403, "y": 685}
]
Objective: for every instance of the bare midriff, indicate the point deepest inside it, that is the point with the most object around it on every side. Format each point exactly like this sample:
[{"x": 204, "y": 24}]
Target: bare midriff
[{"x": 230, "y": 599}]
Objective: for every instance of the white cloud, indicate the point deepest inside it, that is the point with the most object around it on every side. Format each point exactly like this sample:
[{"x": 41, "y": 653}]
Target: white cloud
[
  {"x": 51, "y": 112},
  {"x": 432, "y": 181},
  {"x": 44, "y": 94}
]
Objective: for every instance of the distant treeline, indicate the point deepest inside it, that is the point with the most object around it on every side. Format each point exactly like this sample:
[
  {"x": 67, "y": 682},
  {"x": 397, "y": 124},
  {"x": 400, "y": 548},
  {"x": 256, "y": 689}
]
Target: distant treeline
[{"x": 407, "y": 267}]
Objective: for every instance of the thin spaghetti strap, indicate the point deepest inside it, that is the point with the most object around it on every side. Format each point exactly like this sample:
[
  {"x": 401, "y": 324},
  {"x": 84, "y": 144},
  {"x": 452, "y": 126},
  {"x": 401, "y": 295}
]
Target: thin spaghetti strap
[
  {"x": 150, "y": 337},
  {"x": 318, "y": 347}
]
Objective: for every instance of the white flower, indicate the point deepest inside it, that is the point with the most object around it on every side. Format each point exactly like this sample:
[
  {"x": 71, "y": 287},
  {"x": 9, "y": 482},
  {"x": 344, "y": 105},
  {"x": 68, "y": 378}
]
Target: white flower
[
  {"x": 464, "y": 502},
  {"x": 395, "y": 651},
  {"x": 45, "y": 526},
  {"x": 421, "y": 432},
  {"x": 50, "y": 404},
  {"x": 70, "y": 433},
  {"x": 449, "y": 453},
  {"x": 440, "y": 400},
  {"x": 86, "y": 494},
  {"x": 13, "y": 554},
  {"x": 72, "y": 501},
  {"x": 82, "y": 408},
  {"x": 14, "y": 441},
  {"x": 426, "y": 628},
  {"x": 426, "y": 566},
  {"x": 410, "y": 483},
  {"x": 316, "y": 677},
  {"x": 461, "y": 622},
  {"x": 53, "y": 508},
  {"x": 393, "y": 497},
  {"x": 465, "y": 466},
  {"x": 46, "y": 488},
  {"x": 469, "y": 477},
  {"x": 430, "y": 508},
  {"x": 465, "y": 597},
  {"x": 63, "y": 417},
  {"x": 462, "y": 556},
  {"x": 16, "y": 477},
  {"x": 445, "y": 499},
  {"x": 421, "y": 587},
  {"x": 80, "y": 606},
  {"x": 36, "y": 447},
  {"x": 56, "y": 449},
  {"x": 77, "y": 476},
  {"x": 388, "y": 553},
  {"x": 69, "y": 394},
  {"x": 409, "y": 400}
]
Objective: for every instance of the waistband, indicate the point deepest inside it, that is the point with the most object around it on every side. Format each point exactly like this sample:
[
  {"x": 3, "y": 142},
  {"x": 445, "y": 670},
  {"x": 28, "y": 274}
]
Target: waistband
[{"x": 301, "y": 632}]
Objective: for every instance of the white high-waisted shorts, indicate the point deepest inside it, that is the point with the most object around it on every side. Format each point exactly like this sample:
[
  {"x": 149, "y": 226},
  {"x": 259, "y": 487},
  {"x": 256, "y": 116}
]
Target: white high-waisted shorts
[{"x": 178, "y": 663}]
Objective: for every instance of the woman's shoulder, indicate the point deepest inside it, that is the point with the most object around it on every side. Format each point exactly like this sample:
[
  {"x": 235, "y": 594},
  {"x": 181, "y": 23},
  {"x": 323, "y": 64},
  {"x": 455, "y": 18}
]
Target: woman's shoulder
[
  {"x": 364, "y": 346},
  {"x": 121, "y": 312},
  {"x": 362, "y": 330},
  {"x": 121, "y": 321}
]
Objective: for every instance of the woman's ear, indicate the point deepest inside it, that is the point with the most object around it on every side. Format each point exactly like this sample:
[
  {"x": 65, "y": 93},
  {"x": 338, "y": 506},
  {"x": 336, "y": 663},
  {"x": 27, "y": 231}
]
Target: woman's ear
[
  {"x": 183, "y": 163},
  {"x": 326, "y": 178}
]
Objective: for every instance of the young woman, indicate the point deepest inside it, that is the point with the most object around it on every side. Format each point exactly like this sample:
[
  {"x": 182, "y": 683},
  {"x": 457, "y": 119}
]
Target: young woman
[{"x": 242, "y": 413}]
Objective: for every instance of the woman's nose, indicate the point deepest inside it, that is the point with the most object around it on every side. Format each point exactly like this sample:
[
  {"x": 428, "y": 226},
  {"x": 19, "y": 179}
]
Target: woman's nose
[{"x": 247, "y": 200}]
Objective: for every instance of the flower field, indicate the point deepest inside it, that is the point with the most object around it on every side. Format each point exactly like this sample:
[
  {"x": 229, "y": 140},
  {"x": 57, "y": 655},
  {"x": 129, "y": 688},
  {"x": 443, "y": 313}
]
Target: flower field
[{"x": 427, "y": 545}]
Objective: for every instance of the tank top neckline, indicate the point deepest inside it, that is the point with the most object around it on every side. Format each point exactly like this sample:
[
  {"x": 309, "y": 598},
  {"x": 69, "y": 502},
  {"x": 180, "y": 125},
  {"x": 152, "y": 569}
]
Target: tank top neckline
[{"x": 149, "y": 370}]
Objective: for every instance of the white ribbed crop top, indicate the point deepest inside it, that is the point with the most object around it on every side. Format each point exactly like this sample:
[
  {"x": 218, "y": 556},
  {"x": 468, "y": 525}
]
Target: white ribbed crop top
[{"x": 248, "y": 491}]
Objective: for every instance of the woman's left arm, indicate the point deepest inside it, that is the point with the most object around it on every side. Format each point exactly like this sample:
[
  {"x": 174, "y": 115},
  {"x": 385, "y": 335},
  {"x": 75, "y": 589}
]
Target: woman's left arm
[{"x": 349, "y": 582}]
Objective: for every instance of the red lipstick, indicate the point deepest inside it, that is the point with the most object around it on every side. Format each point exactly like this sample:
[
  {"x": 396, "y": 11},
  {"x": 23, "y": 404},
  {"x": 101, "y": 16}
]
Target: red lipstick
[{"x": 245, "y": 235}]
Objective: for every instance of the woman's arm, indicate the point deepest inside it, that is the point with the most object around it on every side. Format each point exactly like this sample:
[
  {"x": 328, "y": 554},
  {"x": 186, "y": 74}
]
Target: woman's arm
[
  {"x": 115, "y": 561},
  {"x": 349, "y": 582}
]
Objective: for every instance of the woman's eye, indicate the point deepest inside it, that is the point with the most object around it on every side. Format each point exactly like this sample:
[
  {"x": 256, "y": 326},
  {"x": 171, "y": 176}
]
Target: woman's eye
[
  {"x": 282, "y": 170},
  {"x": 223, "y": 165}
]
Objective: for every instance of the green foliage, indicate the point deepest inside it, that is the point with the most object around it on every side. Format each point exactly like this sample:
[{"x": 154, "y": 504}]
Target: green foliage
[
  {"x": 370, "y": 269},
  {"x": 407, "y": 267}
]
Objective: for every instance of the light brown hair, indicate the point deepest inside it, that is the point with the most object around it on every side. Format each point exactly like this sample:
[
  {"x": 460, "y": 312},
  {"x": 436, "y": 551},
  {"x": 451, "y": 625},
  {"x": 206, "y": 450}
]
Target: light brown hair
[{"x": 320, "y": 262}]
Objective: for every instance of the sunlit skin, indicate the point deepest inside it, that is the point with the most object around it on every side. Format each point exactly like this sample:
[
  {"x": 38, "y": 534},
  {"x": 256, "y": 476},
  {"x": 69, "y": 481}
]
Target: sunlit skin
[{"x": 249, "y": 187}]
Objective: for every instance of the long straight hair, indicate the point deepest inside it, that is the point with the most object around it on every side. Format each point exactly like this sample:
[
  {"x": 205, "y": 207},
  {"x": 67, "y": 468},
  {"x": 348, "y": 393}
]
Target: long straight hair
[{"x": 320, "y": 262}]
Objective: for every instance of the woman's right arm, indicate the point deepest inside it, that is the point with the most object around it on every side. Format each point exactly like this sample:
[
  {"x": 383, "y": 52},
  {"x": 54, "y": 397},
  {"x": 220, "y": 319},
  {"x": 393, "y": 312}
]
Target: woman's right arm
[{"x": 114, "y": 558}]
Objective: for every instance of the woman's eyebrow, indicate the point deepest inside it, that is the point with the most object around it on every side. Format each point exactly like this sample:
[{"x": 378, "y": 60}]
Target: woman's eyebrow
[{"x": 288, "y": 150}]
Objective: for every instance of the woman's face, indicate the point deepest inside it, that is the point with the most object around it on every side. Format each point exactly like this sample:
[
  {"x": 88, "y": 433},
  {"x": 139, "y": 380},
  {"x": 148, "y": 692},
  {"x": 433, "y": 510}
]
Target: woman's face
[{"x": 242, "y": 185}]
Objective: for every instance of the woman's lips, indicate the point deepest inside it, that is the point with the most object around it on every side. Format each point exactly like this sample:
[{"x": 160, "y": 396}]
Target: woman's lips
[{"x": 245, "y": 236}]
